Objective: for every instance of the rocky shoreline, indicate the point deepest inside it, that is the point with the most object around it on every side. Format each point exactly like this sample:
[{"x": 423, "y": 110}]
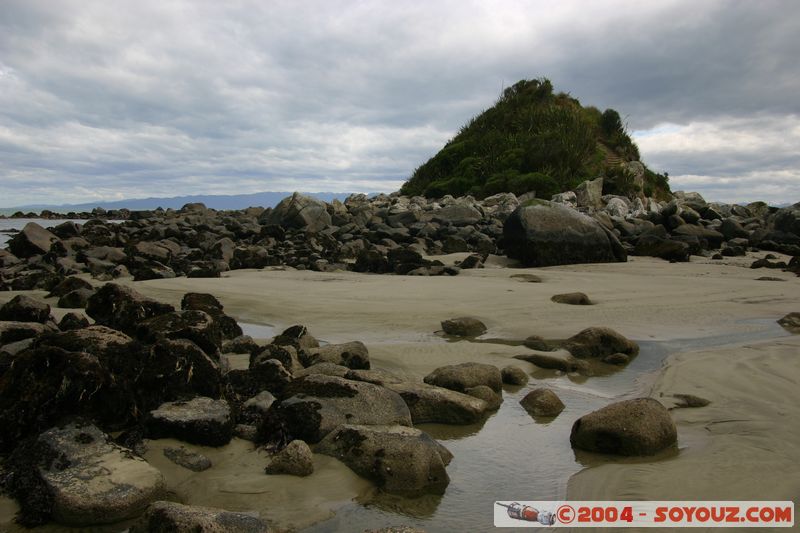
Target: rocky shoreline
[
  {"x": 81, "y": 396},
  {"x": 394, "y": 234}
]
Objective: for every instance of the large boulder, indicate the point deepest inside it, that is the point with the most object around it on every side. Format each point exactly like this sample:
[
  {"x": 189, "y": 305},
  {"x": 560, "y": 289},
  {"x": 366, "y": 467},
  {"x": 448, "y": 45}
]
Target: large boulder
[
  {"x": 196, "y": 326},
  {"x": 438, "y": 405},
  {"x": 590, "y": 193},
  {"x": 300, "y": 212},
  {"x": 32, "y": 240},
  {"x": 75, "y": 476},
  {"x": 202, "y": 420},
  {"x": 22, "y": 308},
  {"x": 786, "y": 220},
  {"x": 656, "y": 246},
  {"x": 17, "y": 331},
  {"x": 398, "y": 459},
  {"x": 632, "y": 427},
  {"x": 546, "y": 234},
  {"x": 122, "y": 308},
  {"x": 710, "y": 238},
  {"x": 465, "y": 376},
  {"x": 163, "y": 516},
  {"x": 318, "y": 404}
]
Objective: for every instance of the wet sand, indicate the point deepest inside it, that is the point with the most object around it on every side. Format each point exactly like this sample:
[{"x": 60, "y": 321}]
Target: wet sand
[{"x": 669, "y": 308}]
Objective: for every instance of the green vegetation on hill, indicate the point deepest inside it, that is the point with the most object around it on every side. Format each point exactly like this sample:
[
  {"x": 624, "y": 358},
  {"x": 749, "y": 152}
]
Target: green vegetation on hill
[{"x": 534, "y": 140}]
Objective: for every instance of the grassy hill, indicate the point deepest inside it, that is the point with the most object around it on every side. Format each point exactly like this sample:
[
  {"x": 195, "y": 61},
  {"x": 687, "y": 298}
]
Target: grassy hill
[{"x": 533, "y": 139}]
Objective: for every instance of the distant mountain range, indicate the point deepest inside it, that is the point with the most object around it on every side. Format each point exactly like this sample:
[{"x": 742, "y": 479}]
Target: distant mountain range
[{"x": 220, "y": 202}]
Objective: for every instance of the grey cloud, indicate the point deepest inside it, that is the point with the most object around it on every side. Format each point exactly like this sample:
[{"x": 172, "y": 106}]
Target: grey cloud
[{"x": 148, "y": 98}]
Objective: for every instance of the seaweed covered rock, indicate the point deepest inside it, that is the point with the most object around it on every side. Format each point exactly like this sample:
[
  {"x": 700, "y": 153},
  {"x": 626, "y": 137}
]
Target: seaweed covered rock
[
  {"x": 202, "y": 420},
  {"x": 76, "y": 476},
  {"x": 32, "y": 240},
  {"x": 318, "y": 404},
  {"x": 196, "y": 326},
  {"x": 22, "y": 308},
  {"x": 399, "y": 459},
  {"x": 294, "y": 460},
  {"x": 122, "y": 308}
]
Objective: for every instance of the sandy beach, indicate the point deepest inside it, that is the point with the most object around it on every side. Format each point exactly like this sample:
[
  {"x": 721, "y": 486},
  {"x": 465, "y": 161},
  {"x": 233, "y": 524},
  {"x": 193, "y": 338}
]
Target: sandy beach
[{"x": 742, "y": 446}]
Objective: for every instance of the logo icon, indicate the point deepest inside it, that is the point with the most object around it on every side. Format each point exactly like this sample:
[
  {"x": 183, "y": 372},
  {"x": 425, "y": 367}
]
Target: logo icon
[{"x": 527, "y": 513}]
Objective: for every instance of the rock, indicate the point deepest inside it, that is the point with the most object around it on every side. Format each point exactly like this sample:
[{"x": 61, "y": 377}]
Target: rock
[
  {"x": 297, "y": 336},
  {"x": 482, "y": 392},
  {"x": 464, "y": 327},
  {"x": 655, "y": 246},
  {"x": 589, "y": 193},
  {"x": 77, "y": 299},
  {"x": 32, "y": 240},
  {"x": 464, "y": 376},
  {"x": 286, "y": 354},
  {"x": 791, "y": 322},
  {"x": 731, "y": 229},
  {"x": 616, "y": 207},
  {"x": 256, "y": 408},
  {"x": 241, "y": 344},
  {"x": 437, "y": 405},
  {"x": 461, "y": 214},
  {"x": 294, "y": 460},
  {"x": 400, "y": 460},
  {"x": 68, "y": 285},
  {"x": 786, "y": 219},
  {"x": 599, "y": 342},
  {"x": 318, "y": 404},
  {"x": 513, "y": 375},
  {"x": 547, "y": 234},
  {"x": 17, "y": 331},
  {"x": 350, "y": 354},
  {"x": 535, "y": 342},
  {"x": 74, "y": 475},
  {"x": 202, "y": 420},
  {"x": 195, "y": 301},
  {"x": 325, "y": 369},
  {"x": 542, "y": 402},
  {"x": 571, "y": 298},
  {"x": 712, "y": 239},
  {"x": 300, "y": 212},
  {"x": 619, "y": 359},
  {"x": 165, "y": 516},
  {"x": 264, "y": 374},
  {"x": 472, "y": 261},
  {"x": 690, "y": 401},
  {"x": 631, "y": 427},
  {"x": 23, "y": 308},
  {"x": 196, "y": 326},
  {"x": 122, "y": 308},
  {"x": 528, "y": 278},
  {"x": 374, "y": 376},
  {"x": 196, "y": 462},
  {"x": 46, "y": 384},
  {"x": 552, "y": 362}
]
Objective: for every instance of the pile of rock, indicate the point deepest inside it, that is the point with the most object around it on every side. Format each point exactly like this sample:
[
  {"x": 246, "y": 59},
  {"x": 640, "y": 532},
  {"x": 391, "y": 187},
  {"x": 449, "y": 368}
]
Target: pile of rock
[{"x": 390, "y": 234}]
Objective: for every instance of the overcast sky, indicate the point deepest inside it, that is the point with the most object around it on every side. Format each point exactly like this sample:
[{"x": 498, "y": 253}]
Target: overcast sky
[{"x": 121, "y": 99}]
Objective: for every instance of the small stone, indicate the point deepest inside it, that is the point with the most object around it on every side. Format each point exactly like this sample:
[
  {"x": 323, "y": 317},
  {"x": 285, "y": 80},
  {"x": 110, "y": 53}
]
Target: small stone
[
  {"x": 464, "y": 327},
  {"x": 294, "y": 460},
  {"x": 513, "y": 375},
  {"x": 542, "y": 402},
  {"x": 195, "y": 462},
  {"x": 690, "y": 400},
  {"x": 619, "y": 359},
  {"x": 572, "y": 298}
]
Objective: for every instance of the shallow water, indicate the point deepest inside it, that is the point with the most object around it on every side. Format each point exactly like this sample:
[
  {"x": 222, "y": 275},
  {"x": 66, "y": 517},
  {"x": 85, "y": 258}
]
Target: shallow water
[{"x": 509, "y": 456}]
